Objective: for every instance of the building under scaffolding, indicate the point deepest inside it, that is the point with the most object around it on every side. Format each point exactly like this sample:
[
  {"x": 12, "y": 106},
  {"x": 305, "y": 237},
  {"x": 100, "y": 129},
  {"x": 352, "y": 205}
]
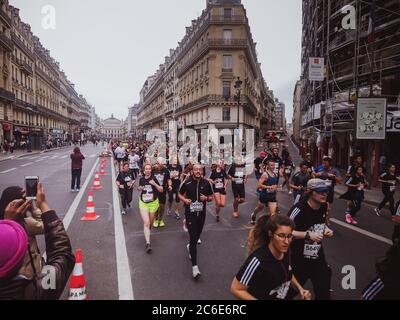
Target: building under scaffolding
[{"x": 357, "y": 62}]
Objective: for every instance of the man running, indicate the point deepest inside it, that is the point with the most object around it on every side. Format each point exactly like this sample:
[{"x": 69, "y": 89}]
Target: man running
[
  {"x": 219, "y": 179},
  {"x": 258, "y": 165},
  {"x": 309, "y": 163},
  {"x": 134, "y": 159},
  {"x": 195, "y": 192},
  {"x": 331, "y": 176},
  {"x": 120, "y": 154},
  {"x": 299, "y": 182},
  {"x": 289, "y": 168},
  {"x": 161, "y": 173},
  {"x": 388, "y": 180},
  {"x": 175, "y": 173},
  {"x": 125, "y": 182},
  {"x": 237, "y": 174},
  {"x": 308, "y": 258}
]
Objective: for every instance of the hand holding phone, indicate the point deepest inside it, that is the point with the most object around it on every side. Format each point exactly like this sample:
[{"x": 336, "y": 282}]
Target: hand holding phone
[{"x": 31, "y": 183}]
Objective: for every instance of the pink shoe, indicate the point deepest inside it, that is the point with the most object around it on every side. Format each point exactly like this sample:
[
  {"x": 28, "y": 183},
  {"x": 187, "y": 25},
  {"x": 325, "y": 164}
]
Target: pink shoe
[
  {"x": 349, "y": 219},
  {"x": 354, "y": 222}
]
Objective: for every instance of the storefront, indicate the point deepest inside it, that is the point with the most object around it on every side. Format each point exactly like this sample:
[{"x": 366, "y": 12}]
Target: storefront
[
  {"x": 21, "y": 135},
  {"x": 6, "y": 131},
  {"x": 36, "y": 137}
]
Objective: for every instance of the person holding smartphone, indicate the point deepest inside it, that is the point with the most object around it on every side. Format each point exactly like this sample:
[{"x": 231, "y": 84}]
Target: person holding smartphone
[
  {"x": 308, "y": 257},
  {"x": 76, "y": 169}
]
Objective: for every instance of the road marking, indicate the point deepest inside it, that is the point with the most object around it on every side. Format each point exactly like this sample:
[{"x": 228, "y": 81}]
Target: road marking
[
  {"x": 54, "y": 157},
  {"x": 26, "y": 164},
  {"x": 72, "y": 209},
  {"x": 359, "y": 230},
  {"x": 92, "y": 156},
  {"x": 32, "y": 158},
  {"x": 125, "y": 289},
  {"x": 63, "y": 157},
  {"x": 9, "y": 170}
]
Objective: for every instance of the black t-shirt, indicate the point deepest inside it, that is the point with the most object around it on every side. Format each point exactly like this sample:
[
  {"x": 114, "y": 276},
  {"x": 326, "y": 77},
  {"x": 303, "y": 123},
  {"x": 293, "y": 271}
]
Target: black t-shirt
[
  {"x": 309, "y": 164},
  {"x": 257, "y": 164},
  {"x": 278, "y": 163},
  {"x": 239, "y": 173},
  {"x": 162, "y": 176},
  {"x": 125, "y": 177},
  {"x": 351, "y": 170},
  {"x": 386, "y": 176},
  {"x": 149, "y": 192},
  {"x": 175, "y": 174},
  {"x": 192, "y": 190},
  {"x": 300, "y": 180},
  {"x": 308, "y": 219},
  {"x": 219, "y": 179},
  {"x": 266, "y": 277}
]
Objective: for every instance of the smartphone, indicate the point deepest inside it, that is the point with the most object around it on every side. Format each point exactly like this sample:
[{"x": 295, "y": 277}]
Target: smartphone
[{"x": 31, "y": 183}]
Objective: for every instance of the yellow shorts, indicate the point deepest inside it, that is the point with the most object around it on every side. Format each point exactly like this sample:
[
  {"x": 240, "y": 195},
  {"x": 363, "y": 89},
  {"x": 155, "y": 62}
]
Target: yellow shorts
[{"x": 151, "y": 206}]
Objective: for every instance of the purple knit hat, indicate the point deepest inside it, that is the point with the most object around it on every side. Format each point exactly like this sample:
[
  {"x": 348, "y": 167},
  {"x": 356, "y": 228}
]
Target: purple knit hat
[{"x": 13, "y": 247}]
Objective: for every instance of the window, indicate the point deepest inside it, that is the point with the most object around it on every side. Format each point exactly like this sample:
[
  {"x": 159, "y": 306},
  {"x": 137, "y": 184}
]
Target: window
[
  {"x": 227, "y": 36},
  {"x": 228, "y": 13},
  {"x": 226, "y": 114},
  {"x": 227, "y": 62},
  {"x": 226, "y": 90}
]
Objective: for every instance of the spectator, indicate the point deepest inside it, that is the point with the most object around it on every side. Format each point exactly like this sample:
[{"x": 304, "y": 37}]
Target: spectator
[
  {"x": 76, "y": 167},
  {"x": 14, "y": 249}
]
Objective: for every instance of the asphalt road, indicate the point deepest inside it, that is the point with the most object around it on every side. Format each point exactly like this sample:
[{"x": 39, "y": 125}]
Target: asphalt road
[{"x": 166, "y": 273}]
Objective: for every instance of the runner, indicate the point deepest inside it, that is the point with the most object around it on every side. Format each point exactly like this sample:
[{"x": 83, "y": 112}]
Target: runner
[
  {"x": 134, "y": 163},
  {"x": 355, "y": 194},
  {"x": 267, "y": 273},
  {"x": 175, "y": 173},
  {"x": 388, "y": 180},
  {"x": 258, "y": 165},
  {"x": 161, "y": 173},
  {"x": 149, "y": 189},
  {"x": 120, "y": 154},
  {"x": 125, "y": 182},
  {"x": 331, "y": 176},
  {"x": 237, "y": 174},
  {"x": 278, "y": 165},
  {"x": 219, "y": 179},
  {"x": 195, "y": 192},
  {"x": 289, "y": 168},
  {"x": 357, "y": 161},
  {"x": 308, "y": 255},
  {"x": 268, "y": 184},
  {"x": 309, "y": 163},
  {"x": 299, "y": 182}
]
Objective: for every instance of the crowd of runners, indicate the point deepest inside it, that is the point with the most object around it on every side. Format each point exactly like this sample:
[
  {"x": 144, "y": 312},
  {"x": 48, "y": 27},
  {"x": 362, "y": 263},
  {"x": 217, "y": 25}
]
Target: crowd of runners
[{"x": 285, "y": 248}]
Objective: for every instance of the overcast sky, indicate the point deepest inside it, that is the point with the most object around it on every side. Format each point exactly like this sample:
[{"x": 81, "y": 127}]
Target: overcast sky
[{"x": 109, "y": 48}]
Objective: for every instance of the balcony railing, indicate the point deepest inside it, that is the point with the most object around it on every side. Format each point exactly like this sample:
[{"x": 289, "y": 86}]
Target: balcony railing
[
  {"x": 25, "y": 105},
  {"x": 22, "y": 46},
  {"x": 5, "y": 17},
  {"x": 6, "y": 95},
  {"x": 228, "y": 19},
  {"x": 26, "y": 67},
  {"x": 6, "y": 42}
]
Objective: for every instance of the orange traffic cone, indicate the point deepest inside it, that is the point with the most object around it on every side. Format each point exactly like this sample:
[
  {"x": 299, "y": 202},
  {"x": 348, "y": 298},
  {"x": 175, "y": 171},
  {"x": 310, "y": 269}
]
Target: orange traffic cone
[
  {"x": 90, "y": 214},
  {"x": 102, "y": 172},
  {"x": 97, "y": 185},
  {"x": 77, "y": 283}
]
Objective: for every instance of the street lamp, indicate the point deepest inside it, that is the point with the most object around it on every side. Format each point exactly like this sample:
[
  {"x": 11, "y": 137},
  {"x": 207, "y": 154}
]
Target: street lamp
[{"x": 238, "y": 85}]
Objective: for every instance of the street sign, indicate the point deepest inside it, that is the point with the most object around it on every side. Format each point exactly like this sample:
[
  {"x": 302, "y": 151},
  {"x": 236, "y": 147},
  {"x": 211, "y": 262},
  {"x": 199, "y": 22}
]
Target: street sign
[{"x": 316, "y": 71}]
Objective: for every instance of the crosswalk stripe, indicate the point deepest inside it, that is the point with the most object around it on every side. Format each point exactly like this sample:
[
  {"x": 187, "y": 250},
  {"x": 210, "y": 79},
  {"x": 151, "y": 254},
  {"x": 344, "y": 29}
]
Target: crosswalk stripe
[
  {"x": 26, "y": 164},
  {"x": 9, "y": 170},
  {"x": 63, "y": 157}
]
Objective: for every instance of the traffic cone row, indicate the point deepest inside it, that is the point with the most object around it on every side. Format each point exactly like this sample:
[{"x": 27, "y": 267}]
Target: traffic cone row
[
  {"x": 77, "y": 284},
  {"x": 97, "y": 182},
  {"x": 90, "y": 214},
  {"x": 102, "y": 170}
]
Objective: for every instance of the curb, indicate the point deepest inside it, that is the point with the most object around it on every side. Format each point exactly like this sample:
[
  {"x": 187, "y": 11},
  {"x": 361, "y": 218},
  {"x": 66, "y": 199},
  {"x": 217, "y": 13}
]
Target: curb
[{"x": 31, "y": 154}]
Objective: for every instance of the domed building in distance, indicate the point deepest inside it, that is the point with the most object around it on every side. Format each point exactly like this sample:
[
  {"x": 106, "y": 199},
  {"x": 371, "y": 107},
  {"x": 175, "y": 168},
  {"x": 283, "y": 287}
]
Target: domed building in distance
[{"x": 112, "y": 128}]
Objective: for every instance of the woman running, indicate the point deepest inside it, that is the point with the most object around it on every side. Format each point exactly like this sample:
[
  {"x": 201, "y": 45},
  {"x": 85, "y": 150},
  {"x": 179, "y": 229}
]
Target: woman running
[
  {"x": 355, "y": 194},
  {"x": 149, "y": 188},
  {"x": 219, "y": 179},
  {"x": 289, "y": 168},
  {"x": 268, "y": 184},
  {"x": 175, "y": 173},
  {"x": 267, "y": 273}
]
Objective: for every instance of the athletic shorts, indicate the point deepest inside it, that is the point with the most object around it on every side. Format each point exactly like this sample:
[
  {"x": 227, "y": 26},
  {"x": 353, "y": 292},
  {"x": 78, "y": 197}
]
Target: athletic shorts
[
  {"x": 152, "y": 207},
  {"x": 265, "y": 199},
  {"x": 162, "y": 197},
  {"x": 220, "y": 191},
  {"x": 238, "y": 191}
]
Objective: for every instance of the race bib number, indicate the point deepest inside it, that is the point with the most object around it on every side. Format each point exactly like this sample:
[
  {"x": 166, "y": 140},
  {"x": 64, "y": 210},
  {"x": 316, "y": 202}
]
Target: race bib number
[
  {"x": 311, "y": 250},
  {"x": 174, "y": 174},
  {"x": 219, "y": 185},
  {"x": 160, "y": 178},
  {"x": 147, "y": 197},
  {"x": 392, "y": 188},
  {"x": 196, "y": 207},
  {"x": 276, "y": 168},
  {"x": 288, "y": 171},
  {"x": 239, "y": 178},
  {"x": 361, "y": 187},
  {"x": 128, "y": 179}
]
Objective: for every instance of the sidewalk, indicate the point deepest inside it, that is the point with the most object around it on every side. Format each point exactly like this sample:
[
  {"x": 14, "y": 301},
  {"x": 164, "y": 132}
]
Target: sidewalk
[{"x": 23, "y": 153}]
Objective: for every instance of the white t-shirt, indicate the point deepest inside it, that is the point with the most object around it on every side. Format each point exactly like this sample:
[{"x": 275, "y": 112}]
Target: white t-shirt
[
  {"x": 120, "y": 152},
  {"x": 134, "y": 161}
]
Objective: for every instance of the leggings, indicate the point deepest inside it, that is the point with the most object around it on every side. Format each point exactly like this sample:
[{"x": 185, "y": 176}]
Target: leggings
[
  {"x": 195, "y": 224},
  {"x": 126, "y": 196},
  {"x": 135, "y": 172},
  {"x": 356, "y": 207},
  {"x": 388, "y": 198},
  {"x": 76, "y": 178}
]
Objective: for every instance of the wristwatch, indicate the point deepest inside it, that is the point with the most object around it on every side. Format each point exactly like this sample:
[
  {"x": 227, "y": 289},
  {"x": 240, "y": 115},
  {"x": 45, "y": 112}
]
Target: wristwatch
[{"x": 307, "y": 237}]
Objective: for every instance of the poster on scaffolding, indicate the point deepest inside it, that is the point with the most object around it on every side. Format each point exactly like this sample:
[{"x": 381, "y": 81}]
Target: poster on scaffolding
[
  {"x": 316, "y": 70},
  {"x": 371, "y": 119}
]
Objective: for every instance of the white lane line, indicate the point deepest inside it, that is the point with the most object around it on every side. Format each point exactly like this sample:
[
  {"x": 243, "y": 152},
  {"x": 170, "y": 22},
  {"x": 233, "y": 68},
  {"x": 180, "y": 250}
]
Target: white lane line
[
  {"x": 26, "y": 164},
  {"x": 365, "y": 233},
  {"x": 9, "y": 170},
  {"x": 32, "y": 158},
  {"x": 63, "y": 157},
  {"x": 92, "y": 156},
  {"x": 72, "y": 209},
  {"x": 125, "y": 289},
  {"x": 54, "y": 157}
]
